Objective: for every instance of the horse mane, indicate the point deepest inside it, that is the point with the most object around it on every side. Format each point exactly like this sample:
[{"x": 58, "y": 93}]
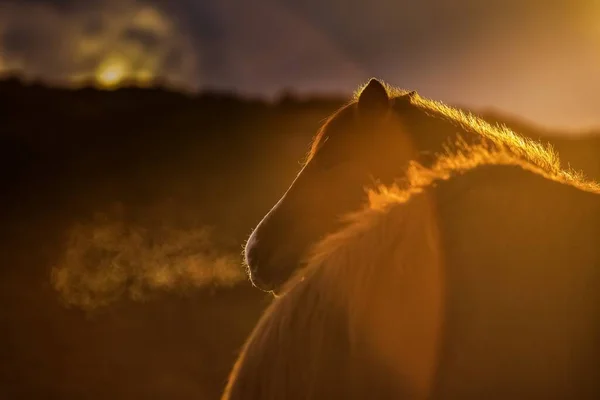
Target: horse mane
[
  {"x": 461, "y": 158},
  {"x": 535, "y": 152},
  {"x": 493, "y": 144}
]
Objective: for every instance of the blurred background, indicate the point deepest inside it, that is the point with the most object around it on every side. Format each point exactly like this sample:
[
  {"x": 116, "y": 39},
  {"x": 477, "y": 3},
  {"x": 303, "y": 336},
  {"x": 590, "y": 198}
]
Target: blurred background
[{"x": 142, "y": 140}]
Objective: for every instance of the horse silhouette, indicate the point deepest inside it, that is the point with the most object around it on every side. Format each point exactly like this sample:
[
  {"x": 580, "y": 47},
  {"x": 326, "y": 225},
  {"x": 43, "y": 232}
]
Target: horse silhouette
[{"x": 474, "y": 275}]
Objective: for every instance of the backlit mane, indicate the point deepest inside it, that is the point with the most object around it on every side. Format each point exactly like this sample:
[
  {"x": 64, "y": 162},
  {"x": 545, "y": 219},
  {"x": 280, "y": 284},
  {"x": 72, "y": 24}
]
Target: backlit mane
[
  {"x": 528, "y": 150},
  {"x": 462, "y": 157},
  {"x": 500, "y": 145}
]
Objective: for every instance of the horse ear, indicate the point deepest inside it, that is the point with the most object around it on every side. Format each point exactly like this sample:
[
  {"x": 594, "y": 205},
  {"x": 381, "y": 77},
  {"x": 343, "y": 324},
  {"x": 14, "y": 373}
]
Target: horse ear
[{"x": 373, "y": 97}]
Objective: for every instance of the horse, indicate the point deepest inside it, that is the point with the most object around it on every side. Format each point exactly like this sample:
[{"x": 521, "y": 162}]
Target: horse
[
  {"x": 472, "y": 275},
  {"x": 369, "y": 140},
  {"x": 475, "y": 277}
]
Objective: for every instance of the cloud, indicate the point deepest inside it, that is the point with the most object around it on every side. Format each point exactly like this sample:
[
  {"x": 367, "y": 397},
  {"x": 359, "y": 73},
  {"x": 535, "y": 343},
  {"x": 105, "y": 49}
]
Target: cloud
[{"x": 65, "y": 41}]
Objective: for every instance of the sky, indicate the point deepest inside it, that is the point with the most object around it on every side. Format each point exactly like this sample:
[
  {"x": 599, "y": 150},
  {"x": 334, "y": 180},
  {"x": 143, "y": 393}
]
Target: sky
[{"x": 538, "y": 59}]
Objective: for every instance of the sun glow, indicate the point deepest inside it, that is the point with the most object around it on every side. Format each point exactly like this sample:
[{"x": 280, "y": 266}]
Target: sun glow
[
  {"x": 111, "y": 73},
  {"x": 115, "y": 72}
]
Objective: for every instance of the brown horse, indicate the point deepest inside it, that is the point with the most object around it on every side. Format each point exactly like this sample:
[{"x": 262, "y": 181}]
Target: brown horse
[
  {"x": 475, "y": 277},
  {"x": 372, "y": 139}
]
